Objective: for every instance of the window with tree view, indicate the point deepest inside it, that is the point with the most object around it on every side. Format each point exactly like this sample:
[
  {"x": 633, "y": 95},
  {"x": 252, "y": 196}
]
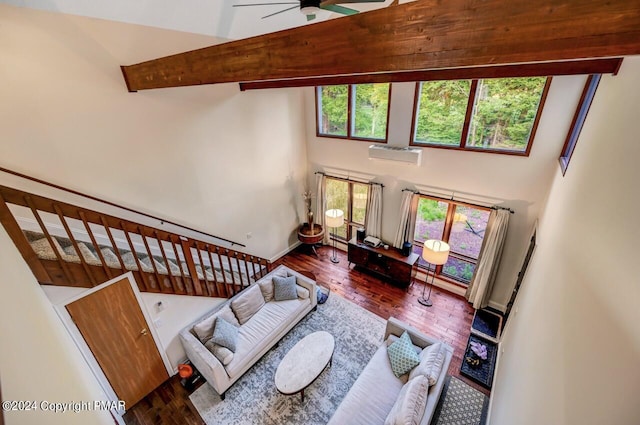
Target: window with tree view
[
  {"x": 461, "y": 226},
  {"x": 497, "y": 115},
  {"x": 353, "y": 111},
  {"x": 351, "y": 198}
]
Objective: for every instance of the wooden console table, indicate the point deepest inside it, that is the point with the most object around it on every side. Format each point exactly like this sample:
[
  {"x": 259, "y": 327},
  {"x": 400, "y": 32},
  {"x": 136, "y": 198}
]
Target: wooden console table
[
  {"x": 388, "y": 263},
  {"x": 311, "y": 237}
]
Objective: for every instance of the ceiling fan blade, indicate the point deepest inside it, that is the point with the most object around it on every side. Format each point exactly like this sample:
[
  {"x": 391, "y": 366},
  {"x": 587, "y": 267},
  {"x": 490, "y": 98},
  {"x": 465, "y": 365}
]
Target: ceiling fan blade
[
  {"x": 339, "y": 9},
  {"x": 329, "y": 2},
  {"x": 291, "y": 8},
  {"x": 264, "y": 4},
  {"x": 311, "y": 17}
]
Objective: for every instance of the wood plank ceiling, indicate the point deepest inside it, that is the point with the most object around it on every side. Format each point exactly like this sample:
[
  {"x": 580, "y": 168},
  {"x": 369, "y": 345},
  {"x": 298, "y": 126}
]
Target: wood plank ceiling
[{"x": 416, "y": 36}]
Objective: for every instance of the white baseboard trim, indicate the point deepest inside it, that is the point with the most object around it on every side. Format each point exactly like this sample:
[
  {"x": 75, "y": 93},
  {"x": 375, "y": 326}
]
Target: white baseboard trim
[{"x": 285, "y": 251}]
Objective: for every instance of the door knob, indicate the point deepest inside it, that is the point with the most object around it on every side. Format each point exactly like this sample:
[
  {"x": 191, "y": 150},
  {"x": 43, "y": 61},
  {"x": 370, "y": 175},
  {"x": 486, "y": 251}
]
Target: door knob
[{"x": 143, "y": 331}]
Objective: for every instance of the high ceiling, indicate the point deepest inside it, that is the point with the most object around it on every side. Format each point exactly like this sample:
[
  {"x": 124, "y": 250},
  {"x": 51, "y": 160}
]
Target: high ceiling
[{"x": 211, "y": 17}]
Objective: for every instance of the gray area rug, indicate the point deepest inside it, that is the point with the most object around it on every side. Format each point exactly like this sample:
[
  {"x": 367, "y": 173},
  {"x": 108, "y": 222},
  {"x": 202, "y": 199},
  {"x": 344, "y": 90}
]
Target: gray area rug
[
  {"x": 253, "y": 399},
  {"x": 460, "y": 405}
]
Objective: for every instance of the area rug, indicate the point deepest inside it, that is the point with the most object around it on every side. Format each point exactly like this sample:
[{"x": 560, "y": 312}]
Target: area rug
[
  {"x": 460, "y": 405},
  {"x": 253, "y": 399}
]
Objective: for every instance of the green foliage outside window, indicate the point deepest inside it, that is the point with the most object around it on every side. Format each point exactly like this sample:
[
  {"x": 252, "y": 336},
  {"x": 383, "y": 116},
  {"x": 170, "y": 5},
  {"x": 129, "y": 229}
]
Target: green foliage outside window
[
  {"x": 333, "y": 114},
  {"x": 441, "y": 112},
  {"x": 369, "y": 107},
  {"x": 504, "y": 112}
]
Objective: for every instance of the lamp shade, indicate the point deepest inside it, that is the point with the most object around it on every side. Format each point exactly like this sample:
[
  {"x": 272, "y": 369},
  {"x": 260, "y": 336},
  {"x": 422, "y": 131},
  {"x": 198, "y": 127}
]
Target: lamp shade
[
  {"x": 334, "y": 218},
  {"x": 435, "y": 252}
]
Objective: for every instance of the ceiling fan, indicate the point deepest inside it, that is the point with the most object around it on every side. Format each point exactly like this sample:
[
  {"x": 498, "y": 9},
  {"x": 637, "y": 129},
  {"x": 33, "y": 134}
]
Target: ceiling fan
[{"x": 311, "y": 7}]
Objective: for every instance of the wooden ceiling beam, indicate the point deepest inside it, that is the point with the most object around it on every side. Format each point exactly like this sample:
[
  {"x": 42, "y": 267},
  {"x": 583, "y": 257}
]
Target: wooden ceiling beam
[
  {"x": 416, "y": 36},
  {"x": 543, "y": 69}
]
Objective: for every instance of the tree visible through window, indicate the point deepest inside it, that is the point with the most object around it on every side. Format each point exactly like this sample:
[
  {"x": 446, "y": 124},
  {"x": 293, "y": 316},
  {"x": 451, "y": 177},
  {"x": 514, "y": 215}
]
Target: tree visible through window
[
  {"x": 351, "y": 198},
  {"x": 461, "y": 226},
  {"x": 496, "y": 115},
  {"x": 353, "y": 111}
]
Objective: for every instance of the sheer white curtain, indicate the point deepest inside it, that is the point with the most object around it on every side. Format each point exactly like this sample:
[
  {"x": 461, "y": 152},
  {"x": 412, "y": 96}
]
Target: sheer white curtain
[
  {"x": 321, "y": 204},
  {"x": 481, "y": 284},
  {"x": 374, "y": 211},
  {"x": 406, "y": 225}
]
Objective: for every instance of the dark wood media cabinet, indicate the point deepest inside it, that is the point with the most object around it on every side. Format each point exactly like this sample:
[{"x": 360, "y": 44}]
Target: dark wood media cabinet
[{"x": 388, "y": 263}]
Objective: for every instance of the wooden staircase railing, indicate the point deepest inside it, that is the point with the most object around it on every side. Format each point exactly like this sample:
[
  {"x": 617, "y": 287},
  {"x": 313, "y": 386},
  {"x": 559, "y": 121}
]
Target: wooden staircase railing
[{"x": 67, "y": 245}]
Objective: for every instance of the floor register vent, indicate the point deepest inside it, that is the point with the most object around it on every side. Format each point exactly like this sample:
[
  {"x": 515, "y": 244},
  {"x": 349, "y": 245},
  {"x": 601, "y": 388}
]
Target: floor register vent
[{"x": 406, "y": 155}]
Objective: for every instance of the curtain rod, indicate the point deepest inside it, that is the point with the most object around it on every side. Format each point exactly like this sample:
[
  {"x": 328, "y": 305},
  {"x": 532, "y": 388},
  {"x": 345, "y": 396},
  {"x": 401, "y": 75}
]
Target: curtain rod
[
  {"x": 348, "y": 179},
  {"x": 493, "y": 207}
]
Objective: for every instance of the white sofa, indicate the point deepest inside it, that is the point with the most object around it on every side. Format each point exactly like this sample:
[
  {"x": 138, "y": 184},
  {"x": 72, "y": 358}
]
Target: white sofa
[
  {"x": 376, "y": 390},
  {"x": 256, "y": 336}
]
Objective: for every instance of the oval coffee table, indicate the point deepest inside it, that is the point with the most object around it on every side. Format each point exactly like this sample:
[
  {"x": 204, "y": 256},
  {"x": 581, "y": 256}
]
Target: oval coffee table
[{"x": 304, "y": 363}]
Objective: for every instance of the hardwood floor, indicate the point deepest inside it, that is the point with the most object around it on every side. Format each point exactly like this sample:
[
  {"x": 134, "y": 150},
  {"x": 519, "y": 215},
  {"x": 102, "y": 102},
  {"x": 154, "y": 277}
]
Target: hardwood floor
[{"x": 449, "y": 319}]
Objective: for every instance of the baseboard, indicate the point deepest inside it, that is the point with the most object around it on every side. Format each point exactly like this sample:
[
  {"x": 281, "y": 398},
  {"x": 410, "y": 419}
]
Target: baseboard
[
  {"x": 498, "y": 306},
  {"x": 285, "y": 251}
]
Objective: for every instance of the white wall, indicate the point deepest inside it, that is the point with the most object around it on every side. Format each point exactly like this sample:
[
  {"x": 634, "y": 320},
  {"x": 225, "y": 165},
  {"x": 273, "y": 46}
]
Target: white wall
[
  {"x": 38, "y": 359},
  {"x": 517, "y": 182},
  {"x": 177, "y": 311},
  {"x": 571, "y": 352},
  {"x": 211, "y": 157}
]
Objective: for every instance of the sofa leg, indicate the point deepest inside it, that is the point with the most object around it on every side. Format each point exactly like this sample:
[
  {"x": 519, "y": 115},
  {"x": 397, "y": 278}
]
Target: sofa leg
[
  {"x": 315, "y": 308},
  {"x": 223, "y": 395}
]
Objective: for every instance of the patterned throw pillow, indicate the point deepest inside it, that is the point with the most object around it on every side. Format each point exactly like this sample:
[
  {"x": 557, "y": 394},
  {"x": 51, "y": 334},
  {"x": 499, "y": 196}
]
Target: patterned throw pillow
[
  {"x": 225, "y": 334},
  {"x": 284, "y": 288},
  {"x": 402, "y": 355}
]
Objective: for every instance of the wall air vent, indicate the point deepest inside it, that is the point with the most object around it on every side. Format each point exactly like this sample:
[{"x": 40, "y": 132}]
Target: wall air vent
[{"x": 407, "y": 155}]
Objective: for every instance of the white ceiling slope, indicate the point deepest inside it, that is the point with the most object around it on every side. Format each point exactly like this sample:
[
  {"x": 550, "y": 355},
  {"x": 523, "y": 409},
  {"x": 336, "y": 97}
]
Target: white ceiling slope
[{"x": 211, "y": 17}]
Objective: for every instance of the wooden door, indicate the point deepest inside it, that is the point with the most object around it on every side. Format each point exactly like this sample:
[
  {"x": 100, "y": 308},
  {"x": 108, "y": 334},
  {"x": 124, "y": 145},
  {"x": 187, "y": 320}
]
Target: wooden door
[{"x": 113, "y": 326}]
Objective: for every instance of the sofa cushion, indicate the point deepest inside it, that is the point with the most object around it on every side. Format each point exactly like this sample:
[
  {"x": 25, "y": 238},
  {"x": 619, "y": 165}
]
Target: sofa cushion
[
  {"x": 259, "y": 331},
  {"x": 364, "y": 406},
  {"x": 302, "y": 292},
  {"x": 402, "y": 355},
  {"x": 204, "y": 329},
  {"x": 284, "y": 288},
  {"x": 431, "y": 360},
  {"x": 247, "y": 303},
  {"x": 225, "y": 334},
  {"x": 222, "y": 353},
  {"x": 410, "y": 404}
]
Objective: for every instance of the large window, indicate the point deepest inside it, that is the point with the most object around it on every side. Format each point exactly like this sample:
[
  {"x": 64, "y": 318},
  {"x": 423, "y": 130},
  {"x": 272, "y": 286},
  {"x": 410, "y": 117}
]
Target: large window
[
  {"x": 492, "y": 115},
  {"x": 358, "y": 112},
  {"x": 578, "y": 120},
  {"x": 351, "y": 198},
  {"x": 461, "y": 226}
]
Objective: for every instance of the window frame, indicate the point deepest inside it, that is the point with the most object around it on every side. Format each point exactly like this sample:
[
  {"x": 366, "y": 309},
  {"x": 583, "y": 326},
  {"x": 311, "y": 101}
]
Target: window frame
[
  {"x": 348, "y": 215},
  {"x": 350, "y": 122},
  {"x": 446, "y": 235},
  {"x": 467, "y": 121},
  {"x": 579, "y": 118}
]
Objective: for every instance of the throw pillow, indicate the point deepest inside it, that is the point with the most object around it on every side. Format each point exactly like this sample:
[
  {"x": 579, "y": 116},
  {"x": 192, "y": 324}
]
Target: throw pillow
[
  {"x": 247, "y": 303},
  {"x": 410, "y": 404},
  {"x": 222, "y": 353},
  {"x": 303, "y": 293},
  {"x": 402, "y": 355},
  {"x": 204, "y": 329},
  {"x": 266, "y": 286},
  {"x": 225, "y": 334},
  {"x": 284, "y": 288},
  {"x": 431, "y": 361}
]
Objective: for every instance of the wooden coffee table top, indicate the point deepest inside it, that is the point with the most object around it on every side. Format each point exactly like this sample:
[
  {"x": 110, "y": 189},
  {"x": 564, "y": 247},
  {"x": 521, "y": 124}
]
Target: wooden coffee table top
[{"x": 304, "y": 362}]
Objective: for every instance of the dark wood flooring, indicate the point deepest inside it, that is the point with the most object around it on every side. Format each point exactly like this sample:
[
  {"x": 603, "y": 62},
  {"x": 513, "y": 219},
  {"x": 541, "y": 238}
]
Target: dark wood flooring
[{"x": 449, "y": 319}]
